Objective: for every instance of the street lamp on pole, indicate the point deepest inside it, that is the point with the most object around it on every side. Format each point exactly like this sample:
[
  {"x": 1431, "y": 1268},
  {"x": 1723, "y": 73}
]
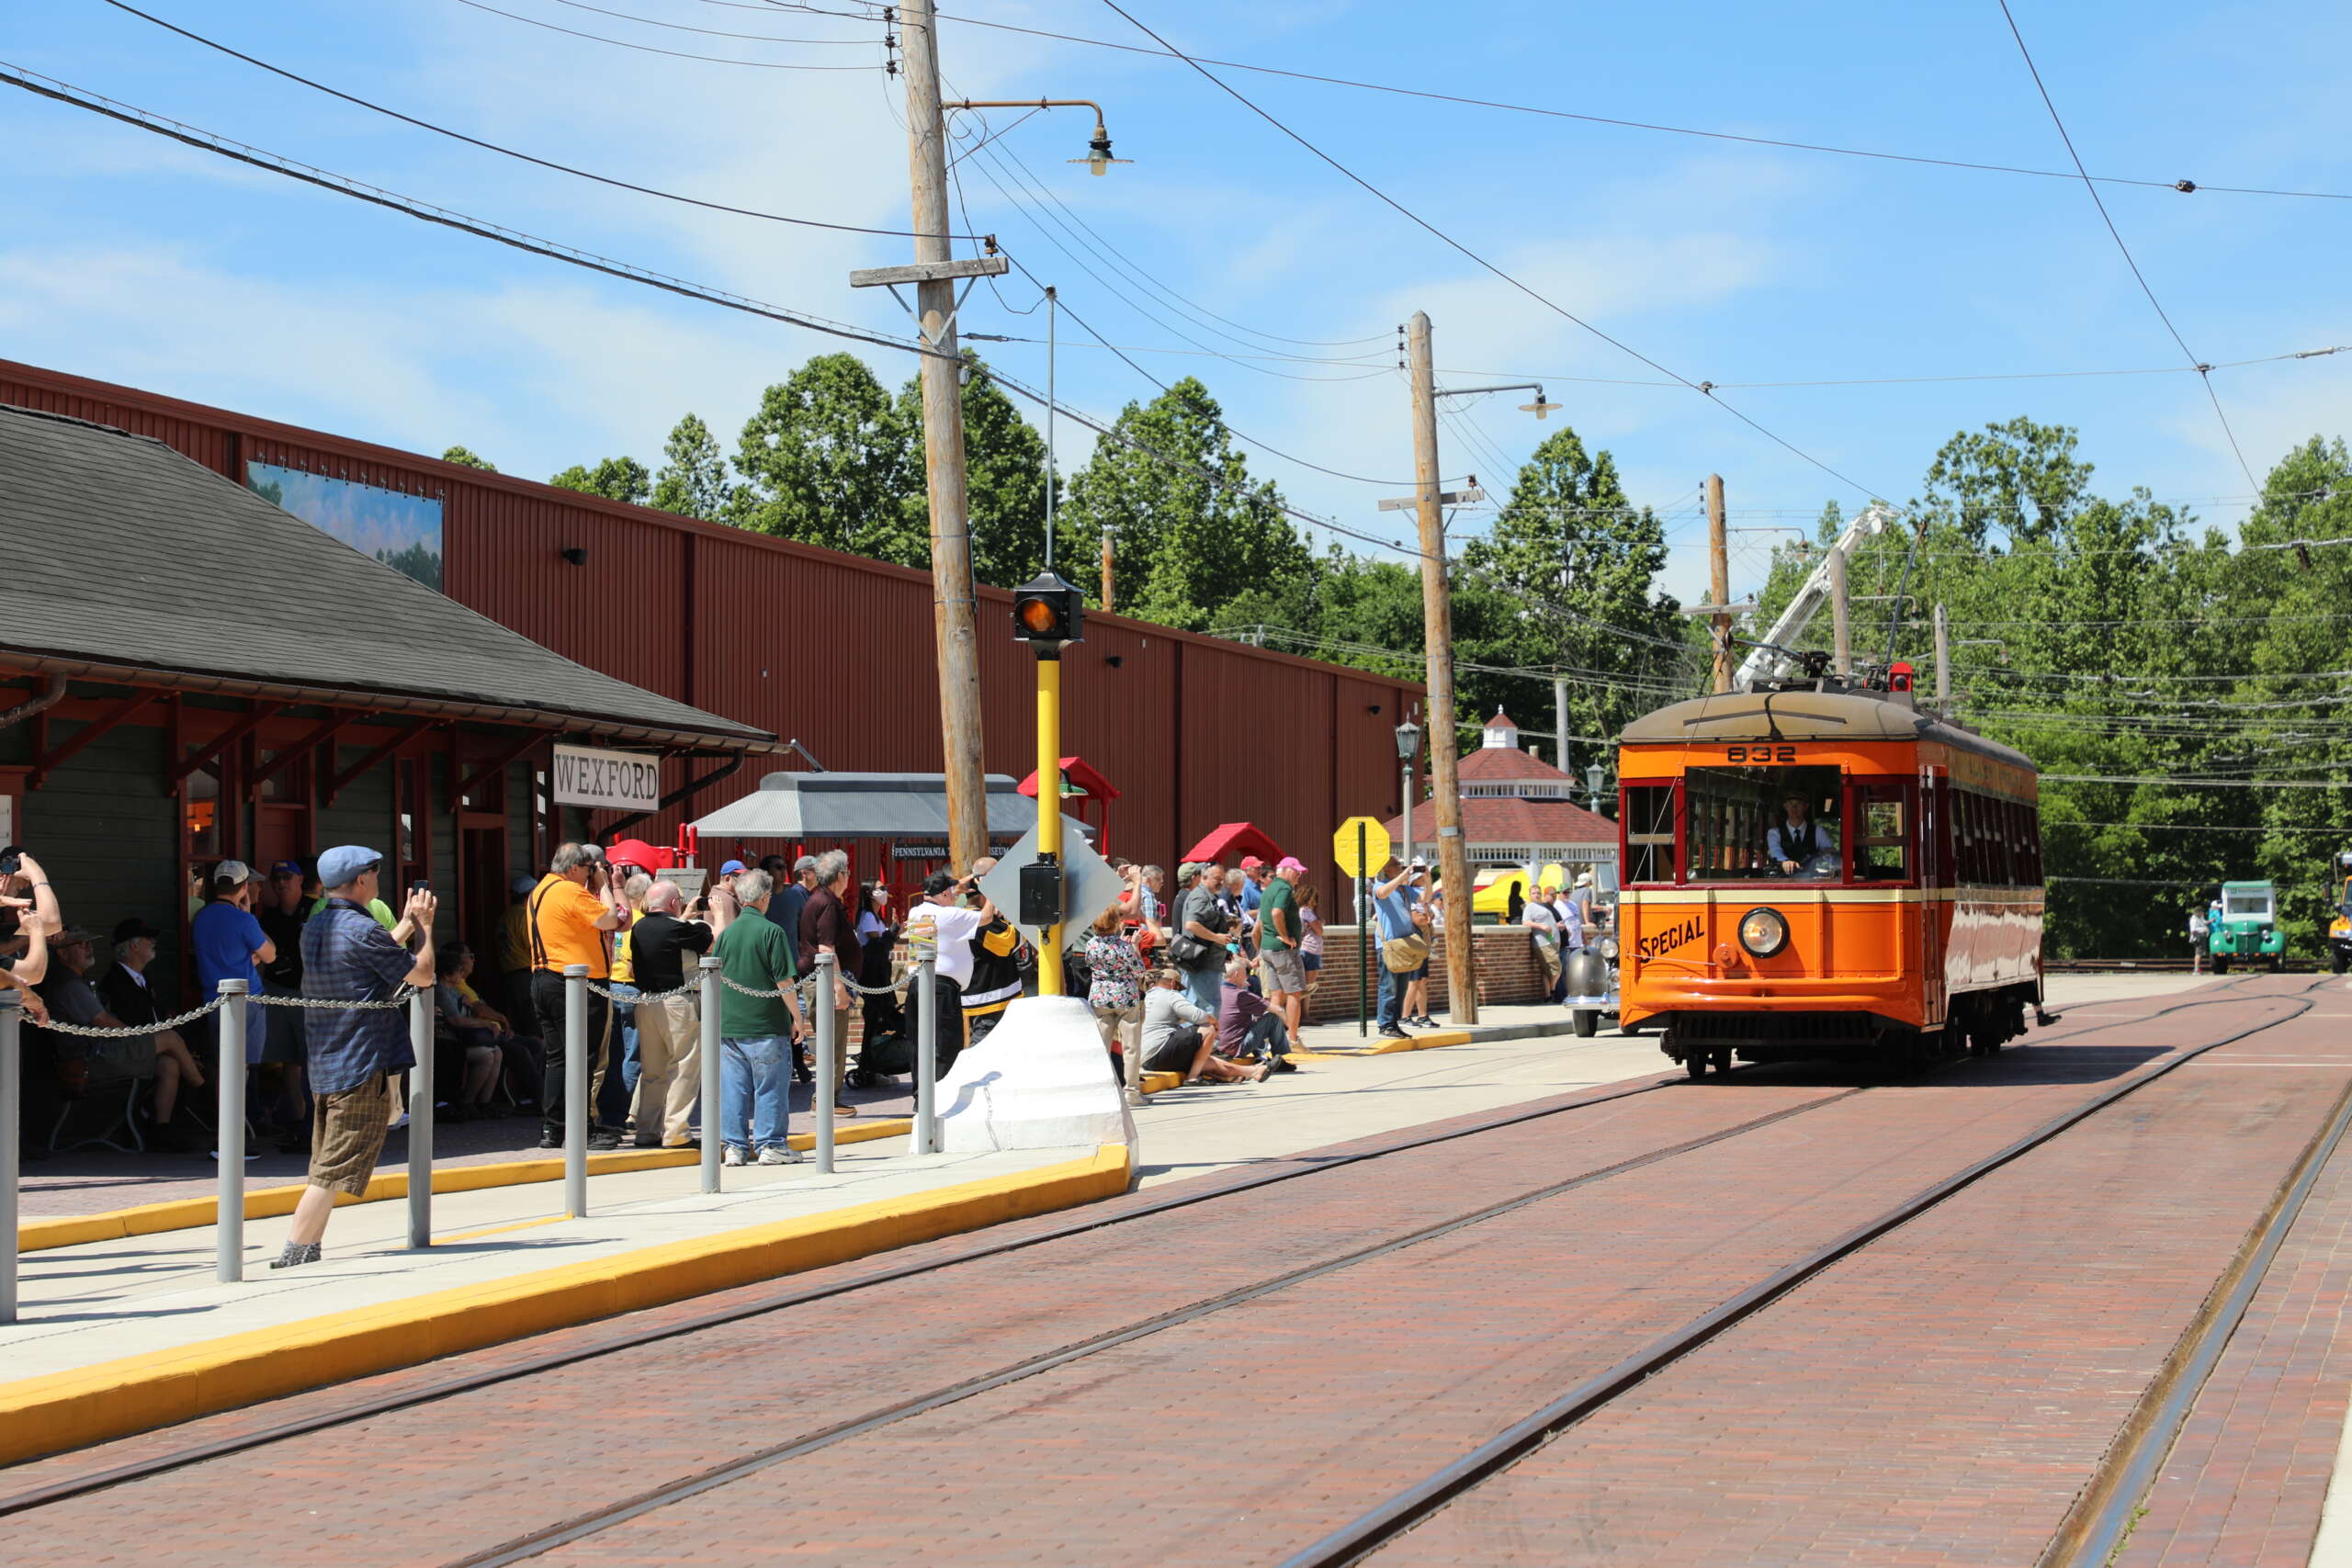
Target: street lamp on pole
[
  {"x": 1409, "y": 747},
  {"x": 1595, "y": 775}
]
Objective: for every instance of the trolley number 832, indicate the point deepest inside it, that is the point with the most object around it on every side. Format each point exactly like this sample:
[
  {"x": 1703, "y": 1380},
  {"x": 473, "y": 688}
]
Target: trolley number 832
[{"x": 1759, "y": 753}]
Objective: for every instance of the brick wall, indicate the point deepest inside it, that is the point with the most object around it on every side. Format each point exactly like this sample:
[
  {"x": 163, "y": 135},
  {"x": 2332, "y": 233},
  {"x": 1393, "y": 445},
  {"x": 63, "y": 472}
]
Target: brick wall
[{"x": 1508, "y": 972}]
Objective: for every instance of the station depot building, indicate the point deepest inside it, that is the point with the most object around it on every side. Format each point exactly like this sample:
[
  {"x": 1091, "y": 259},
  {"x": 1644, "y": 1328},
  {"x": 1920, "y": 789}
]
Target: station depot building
[{"x": 233, "y": 639}]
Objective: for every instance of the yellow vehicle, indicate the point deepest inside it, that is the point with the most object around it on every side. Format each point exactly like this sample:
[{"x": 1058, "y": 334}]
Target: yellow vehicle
[
  {"x": 2339, "y": 924},
  {"x": 1490, "y": 897}
]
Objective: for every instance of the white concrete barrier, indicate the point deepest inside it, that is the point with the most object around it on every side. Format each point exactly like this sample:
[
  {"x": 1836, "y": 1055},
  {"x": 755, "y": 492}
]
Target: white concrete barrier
[{"x": 1040, "y": 1080}]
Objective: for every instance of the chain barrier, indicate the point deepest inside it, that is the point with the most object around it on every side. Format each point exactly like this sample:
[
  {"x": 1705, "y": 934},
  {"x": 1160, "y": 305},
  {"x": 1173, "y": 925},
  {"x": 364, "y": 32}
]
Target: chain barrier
[
  {"x": 58, "y": 1026},
  {"x": 687, "y": 989},
  {"x": 139, "y": 1030}
]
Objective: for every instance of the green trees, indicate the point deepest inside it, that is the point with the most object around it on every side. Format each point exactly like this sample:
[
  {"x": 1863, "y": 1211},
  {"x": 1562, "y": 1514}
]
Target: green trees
[
  {"x": 825, "y": 460},
  {"x": 1199, "y": 543},
  {"x": 615, "y": 478},
  {"x": 693, "y": 481},
  {"x": 1569, "y": 573},
  {"x": 460, "y": 455}
]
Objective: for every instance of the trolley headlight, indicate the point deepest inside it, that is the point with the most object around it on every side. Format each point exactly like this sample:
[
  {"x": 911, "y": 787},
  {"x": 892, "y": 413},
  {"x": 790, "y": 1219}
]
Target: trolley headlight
[
  {"x": 1763, "y": 932},
  {"x": 1609, "y": 947}
]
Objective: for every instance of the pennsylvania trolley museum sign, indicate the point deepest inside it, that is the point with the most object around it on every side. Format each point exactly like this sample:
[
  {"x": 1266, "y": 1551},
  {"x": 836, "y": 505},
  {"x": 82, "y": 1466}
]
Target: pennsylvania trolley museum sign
[{"x": 612, "y": 781}]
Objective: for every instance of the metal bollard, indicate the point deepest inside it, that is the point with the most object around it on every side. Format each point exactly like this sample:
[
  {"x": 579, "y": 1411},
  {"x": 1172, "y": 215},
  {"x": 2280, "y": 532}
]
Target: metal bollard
[
  {"x": 419, "y": 1120},
  {"x": 577, "y": 1070},
  {"x": 12, "y": 1013},
  {"x": 822, "y": 1092},
  {"x": 926, "y": 1056},
  {"x": 228, "y": 1218},
  {"x": 707, "y": 1113}
]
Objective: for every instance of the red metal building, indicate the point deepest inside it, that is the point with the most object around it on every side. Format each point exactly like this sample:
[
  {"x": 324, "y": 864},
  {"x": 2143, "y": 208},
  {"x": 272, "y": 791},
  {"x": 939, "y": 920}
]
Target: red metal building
[{"x": 1192, "y": 730}]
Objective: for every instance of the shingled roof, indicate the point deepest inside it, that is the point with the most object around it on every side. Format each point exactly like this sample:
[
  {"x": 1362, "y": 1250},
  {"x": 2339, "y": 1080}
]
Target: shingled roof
[{"x": 133, "y": 562}]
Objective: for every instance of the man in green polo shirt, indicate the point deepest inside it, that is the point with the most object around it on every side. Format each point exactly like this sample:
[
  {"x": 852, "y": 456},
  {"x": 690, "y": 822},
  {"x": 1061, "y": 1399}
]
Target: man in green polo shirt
[
  {"x": 755, "y": 1034},
  {"x": 1278, "y": 938}
]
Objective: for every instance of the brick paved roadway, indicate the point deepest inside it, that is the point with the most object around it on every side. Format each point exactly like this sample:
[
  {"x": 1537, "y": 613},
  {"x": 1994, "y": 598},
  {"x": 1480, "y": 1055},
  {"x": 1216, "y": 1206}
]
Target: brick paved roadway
[{"x": 1236, "y": 1439}]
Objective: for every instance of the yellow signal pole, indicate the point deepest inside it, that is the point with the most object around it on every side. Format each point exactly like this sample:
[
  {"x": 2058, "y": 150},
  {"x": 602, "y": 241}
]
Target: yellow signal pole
[{"x": 1050, "y": 806}]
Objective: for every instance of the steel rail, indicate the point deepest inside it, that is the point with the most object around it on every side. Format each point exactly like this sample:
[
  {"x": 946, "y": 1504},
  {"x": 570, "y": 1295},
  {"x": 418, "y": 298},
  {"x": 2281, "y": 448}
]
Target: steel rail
[
  {"x": 2105, "y": 1510},
  {"x": 1375, "y": 1527},
  {"x": 550, "y": 1361},
  {"x": 69, "y": 1488},
  {"x": 595, "y": 1521}
]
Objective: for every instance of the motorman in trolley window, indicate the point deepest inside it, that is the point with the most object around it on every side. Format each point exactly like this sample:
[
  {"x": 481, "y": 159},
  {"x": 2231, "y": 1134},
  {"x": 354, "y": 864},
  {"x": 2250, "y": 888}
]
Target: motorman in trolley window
[
  {"x": 1795, "y": 840},
  {"x": 348, "y": 956}
]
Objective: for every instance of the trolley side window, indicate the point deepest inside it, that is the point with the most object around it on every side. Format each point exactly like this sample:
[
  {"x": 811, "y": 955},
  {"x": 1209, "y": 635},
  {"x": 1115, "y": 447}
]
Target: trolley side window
[
  {"x": 1648, "y": 813},
  {"x": 1881, "y": 816},
  {"x": 1763, "y": 824}
]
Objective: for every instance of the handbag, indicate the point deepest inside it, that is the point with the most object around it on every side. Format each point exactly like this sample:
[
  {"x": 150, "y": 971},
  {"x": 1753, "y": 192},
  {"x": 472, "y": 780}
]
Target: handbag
[
  {"x": 1188, "y": 952},
  {"x": 1403, "y": 954}
]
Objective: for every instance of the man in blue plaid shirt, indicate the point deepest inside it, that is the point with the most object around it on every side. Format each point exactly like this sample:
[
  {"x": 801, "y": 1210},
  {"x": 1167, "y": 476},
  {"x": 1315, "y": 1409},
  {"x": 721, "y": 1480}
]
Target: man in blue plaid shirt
[{"x": 348, "y": 956}]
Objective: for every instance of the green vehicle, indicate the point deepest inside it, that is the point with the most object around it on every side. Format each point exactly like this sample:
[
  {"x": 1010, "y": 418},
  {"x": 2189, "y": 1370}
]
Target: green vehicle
[{"x": 2246, "y": 926}]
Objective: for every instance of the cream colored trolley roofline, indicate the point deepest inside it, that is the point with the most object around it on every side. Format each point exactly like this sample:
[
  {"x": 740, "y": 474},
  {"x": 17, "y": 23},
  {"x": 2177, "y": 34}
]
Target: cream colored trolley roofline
[{"x": 1784, "y": 893}]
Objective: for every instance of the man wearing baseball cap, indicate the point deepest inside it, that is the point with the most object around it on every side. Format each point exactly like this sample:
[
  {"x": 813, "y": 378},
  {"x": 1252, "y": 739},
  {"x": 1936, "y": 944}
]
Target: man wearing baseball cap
[
  {"x": 230, "y": 945},
  {"x": 347, "y": 956},
  {"x": 1279, "y": 933}
]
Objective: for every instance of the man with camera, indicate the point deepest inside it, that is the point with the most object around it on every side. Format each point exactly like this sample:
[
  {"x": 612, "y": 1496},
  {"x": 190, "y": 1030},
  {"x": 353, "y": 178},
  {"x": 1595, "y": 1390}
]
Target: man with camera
[
  {"x": 570, "y": 912},
  {"x": 348, "y": 956}
]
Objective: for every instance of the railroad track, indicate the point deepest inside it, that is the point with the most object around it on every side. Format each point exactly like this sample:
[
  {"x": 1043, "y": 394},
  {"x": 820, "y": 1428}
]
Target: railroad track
[
  {"x": 1362, "y": 1535},
  {"x": 2093, "y": 1529}
]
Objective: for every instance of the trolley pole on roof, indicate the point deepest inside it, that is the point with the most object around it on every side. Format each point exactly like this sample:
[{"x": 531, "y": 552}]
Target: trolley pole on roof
[{"x": 1943, "y": 664}]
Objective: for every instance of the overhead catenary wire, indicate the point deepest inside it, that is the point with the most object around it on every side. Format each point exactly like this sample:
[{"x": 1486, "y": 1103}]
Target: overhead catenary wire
[
  {"x": 649, "y": 49},
  {"x": 2091, "y": 185},
  {"x": 439, "y": 130},
  {"x": 1452, "y": 243},
  {"x": 2180, "y": 185}
]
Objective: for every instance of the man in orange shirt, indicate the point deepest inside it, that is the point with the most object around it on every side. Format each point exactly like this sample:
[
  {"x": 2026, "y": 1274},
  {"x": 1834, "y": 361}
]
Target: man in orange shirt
[{"x": 570, "y": 912}]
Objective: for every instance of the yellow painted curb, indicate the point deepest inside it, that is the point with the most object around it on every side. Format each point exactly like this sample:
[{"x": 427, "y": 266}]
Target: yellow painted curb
[
  {"x": 268, "y": 1202},
  {"x": 1429, "y": 1042},
  {"x": 114, "y": 1399}
]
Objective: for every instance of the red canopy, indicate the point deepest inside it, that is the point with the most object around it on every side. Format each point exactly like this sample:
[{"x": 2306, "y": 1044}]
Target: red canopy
[
  {"x": 1231, "y": 841},
  {"x": 637, "y": 852},
  {"x": 1079, "y": 772}
]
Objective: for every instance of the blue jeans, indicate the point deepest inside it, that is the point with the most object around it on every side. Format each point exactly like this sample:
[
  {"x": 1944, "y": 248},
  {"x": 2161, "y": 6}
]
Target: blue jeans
[
  {"x": 1203, "y": 986},
  {"x": 625, "y": 1017},
  {"x": 1392, "y": 997},
  {"x": 754, "y": 1086}
]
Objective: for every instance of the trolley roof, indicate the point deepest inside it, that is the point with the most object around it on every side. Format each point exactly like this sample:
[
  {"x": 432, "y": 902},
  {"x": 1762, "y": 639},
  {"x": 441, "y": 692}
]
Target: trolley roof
[{"x": 1806, "y": 715}]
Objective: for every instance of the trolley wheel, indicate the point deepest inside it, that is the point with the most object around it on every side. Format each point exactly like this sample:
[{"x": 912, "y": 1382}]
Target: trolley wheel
[
  {"x": 2275, "y": 962},
  {"x": 1695, "y": 1063},
  {"x": 1723, "y": 1059},
  {"x": 2338, "y": 961},
  {"x": 2220, "y": 963},
  {"x": 1586, "y": 1022}
]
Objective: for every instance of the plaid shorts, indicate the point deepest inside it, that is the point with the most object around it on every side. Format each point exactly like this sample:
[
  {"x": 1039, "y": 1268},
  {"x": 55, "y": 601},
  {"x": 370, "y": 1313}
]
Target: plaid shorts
[{"x": 348, "y": 1131}]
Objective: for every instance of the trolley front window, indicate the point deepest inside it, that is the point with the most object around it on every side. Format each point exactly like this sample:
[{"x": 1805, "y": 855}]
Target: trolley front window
[
  {"x": 1764, "y": 824},
  {"x": 2246, "y": 902}
]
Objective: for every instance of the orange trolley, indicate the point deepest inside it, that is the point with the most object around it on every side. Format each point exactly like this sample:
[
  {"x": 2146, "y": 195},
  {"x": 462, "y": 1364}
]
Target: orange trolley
[{"x": 1825, "y": 872}]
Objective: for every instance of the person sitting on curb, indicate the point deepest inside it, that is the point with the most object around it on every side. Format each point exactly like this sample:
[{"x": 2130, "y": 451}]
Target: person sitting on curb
[
  {"x": 1247, "y": 1028},
  {"x": 1176, "y": 1039}
]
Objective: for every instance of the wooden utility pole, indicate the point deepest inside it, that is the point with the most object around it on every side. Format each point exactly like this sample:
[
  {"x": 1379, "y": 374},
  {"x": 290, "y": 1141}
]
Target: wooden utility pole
[
  {"x": 1560, "y": 723},
  {"x": 953, "y": 602},
  {"x": 1107, "y": 568},
  {"x": 1719, "y": 579},
  {"x": 1841, "y": 629},
  {"x": 1943, "y": 663},
  {"x": 1437, "y": 631}
]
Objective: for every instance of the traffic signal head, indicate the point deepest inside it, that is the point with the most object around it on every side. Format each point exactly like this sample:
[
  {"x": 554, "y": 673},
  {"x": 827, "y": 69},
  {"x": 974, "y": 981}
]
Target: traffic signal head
[{"x": 1047, "y": 612}]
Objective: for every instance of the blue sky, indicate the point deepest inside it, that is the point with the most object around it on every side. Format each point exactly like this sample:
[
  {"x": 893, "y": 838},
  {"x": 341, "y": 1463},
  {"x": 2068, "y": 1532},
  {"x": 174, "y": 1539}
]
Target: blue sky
[{"x": 132, "y": 259}]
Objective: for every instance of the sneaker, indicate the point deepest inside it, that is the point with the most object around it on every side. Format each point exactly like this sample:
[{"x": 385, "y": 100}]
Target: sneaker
[
  {"x": 779, "y": 1154},
  {"x": 397, "y": 1122},
  {"x": 1390, "y": 1031},
  {"x": 603, "y": 1138},
  {"x": 297, "y": 1253},
  {"x": 733, "y": 1155},
  {"x": 550, "y": 1139}
]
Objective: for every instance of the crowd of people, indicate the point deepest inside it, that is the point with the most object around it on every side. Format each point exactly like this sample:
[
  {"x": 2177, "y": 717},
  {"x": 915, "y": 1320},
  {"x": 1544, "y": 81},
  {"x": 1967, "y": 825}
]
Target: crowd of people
[{"x": 1208, "y": 977}]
